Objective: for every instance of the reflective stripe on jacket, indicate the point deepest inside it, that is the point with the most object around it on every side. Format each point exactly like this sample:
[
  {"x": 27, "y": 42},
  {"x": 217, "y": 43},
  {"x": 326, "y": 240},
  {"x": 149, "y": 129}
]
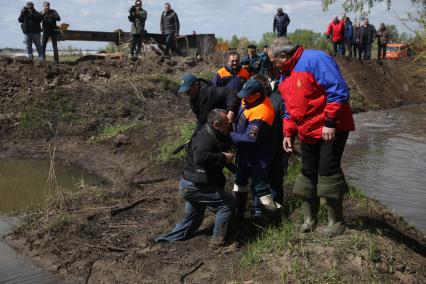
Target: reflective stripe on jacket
[
  {"x": 226, "y": 77},
  {"x": 253, "y": 132}
]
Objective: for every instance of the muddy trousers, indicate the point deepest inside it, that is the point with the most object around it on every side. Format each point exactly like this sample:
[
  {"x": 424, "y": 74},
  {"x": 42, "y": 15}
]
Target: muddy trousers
[
  {"x": 381, "y": 50},
  {"x": 197, "y": 198},
  {"x": 53, "y": 38},
  {"x": 135, "y": 45},
  {"x": 260, "y": 186},
  {"x": 31, "y": 38}
]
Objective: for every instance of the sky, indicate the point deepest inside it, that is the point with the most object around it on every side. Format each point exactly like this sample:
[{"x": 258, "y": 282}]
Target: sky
[{"x": 250, "y": 18}]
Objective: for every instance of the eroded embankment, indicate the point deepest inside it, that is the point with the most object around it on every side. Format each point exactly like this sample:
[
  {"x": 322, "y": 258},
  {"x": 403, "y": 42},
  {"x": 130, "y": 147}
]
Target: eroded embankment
[{"x": 119, "y": 119}]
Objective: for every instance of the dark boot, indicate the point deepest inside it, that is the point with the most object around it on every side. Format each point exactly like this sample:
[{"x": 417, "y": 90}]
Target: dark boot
[
  {"x": 241, "y": 198},
  {"x": 310, "y": 214},
  {"x": 336, "y": 224}
]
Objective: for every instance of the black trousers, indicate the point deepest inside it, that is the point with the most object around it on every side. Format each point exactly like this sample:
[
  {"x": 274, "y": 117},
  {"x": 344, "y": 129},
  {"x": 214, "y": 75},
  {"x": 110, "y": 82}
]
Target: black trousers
[
  {"x": 348, "y": 44},
  {"x": 323, "y": 158},
  {"x": 54, "y": 39},
  {"x": 135, "y": 46},
  {"x": 381, "y": 51},
  {"x": 171, "y": 43}
]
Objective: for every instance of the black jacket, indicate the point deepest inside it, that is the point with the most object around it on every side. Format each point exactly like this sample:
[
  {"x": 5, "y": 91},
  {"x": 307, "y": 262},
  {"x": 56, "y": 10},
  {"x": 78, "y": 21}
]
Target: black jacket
[
  {"x": 49, "y": 20},
  {"x": 210, "y": 97},
  {"x": 169, "y": 23},
  {"x": 204, "y": 161},
  {"x": 367, "y": 34},
  {"x": 30, "y": 21},
  {"x": 281, "y": 21}
]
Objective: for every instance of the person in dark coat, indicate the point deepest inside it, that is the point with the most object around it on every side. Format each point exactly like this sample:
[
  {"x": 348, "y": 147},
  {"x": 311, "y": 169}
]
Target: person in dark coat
[
  {"x": 251, "y": 61},
  {"x": 204, "y": 96},
  {"x": 169, "y": 27},
  {"x": 30, "y": 21},
  {"x": 50, "y": 17},
  {"x": 367, "y": 34},
  {"x": 203, "y": 182},
  {"x": 382, "y": 41},
  {"x": 137, "y": 17},
  {"x": 280, "y": 24},
  {"x": 355, "y": 43}
]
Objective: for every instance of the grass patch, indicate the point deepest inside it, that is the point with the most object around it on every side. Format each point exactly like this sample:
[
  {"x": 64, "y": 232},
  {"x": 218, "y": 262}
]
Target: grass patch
[
  {"x": 169, "y": 82},
  {"x": 111, "y": 131},
  {"x": 184, "y": 132},
  {"x": 294, "y": 168},
  {"x": 206, "y": 75},
  {"x": 60, "y": 222},
  {"x": 271, "y": 243}
]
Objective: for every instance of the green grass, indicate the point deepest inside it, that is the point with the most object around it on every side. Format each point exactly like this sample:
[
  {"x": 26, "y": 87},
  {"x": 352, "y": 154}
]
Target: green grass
[
  {"x": 111, "y": 131},
  {"x": 294, "y": 168},
  {"x": 184, "y": 132},
  {"x": 269, "y": 245},
  {"x": 60, "y": 222}
]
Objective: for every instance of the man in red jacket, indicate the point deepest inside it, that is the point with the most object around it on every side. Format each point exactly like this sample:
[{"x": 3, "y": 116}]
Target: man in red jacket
[
  {"x": 336, "y": 32},
  {"x": 317, "y": 108}
]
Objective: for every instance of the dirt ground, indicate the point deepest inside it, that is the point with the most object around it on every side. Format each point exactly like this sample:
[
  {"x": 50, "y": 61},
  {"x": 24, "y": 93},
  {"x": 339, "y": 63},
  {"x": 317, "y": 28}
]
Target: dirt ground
[{"x": 80, "y": 236}]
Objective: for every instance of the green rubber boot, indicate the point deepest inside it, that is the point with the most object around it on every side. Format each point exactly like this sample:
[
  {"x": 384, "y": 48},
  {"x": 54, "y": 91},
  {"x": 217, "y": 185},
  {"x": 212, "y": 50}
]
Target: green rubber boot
[
  {"x": 306, "y": 187},
  {"x": 310, "y": 214},
  {"x": 333, "y": 188},
  {"x": 336, "y": 224}
]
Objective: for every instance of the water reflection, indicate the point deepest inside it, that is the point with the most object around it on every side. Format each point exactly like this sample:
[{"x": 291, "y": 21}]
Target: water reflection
[
  {"x": 23, "y": 182},
  {"x": 386, "y": 157}
]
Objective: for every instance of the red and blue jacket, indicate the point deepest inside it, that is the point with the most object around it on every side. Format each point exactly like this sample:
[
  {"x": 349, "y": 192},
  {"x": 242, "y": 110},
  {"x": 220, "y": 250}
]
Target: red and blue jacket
[
  {"x": 315, "y": 95},
  {"x": 253, "y": 133},
  {"x": 227, "y": 77}
]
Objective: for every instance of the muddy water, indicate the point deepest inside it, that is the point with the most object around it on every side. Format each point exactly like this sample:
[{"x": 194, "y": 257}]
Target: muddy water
[
  {"x": 386, "y": 157},
  {"x": 22, "y": 186}
]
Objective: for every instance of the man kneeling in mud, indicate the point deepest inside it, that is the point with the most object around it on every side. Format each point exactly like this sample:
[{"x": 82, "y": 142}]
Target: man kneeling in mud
[{"x": 203, "y": 182}]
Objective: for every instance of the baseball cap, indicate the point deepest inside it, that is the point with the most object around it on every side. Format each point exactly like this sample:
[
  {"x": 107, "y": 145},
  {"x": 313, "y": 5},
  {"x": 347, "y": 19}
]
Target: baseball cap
[
  {"x": 186, "y": 82},
  {"x": 250, "y": 87}
]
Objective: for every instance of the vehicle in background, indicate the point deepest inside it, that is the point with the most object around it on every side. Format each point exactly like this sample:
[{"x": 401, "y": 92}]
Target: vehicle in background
[{"x": 397, "y": 50}]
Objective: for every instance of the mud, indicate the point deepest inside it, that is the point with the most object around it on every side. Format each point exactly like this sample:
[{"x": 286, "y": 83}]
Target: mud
[{"x": 69, "y": 106}]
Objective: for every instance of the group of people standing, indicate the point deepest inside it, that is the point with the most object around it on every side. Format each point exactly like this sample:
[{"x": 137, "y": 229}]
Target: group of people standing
[
  {"x": 169, "y": 26},
  {"x": 303, "y": 94},
  {"x": 357, "y": 39},
  {"x": 33, "y": 23}
]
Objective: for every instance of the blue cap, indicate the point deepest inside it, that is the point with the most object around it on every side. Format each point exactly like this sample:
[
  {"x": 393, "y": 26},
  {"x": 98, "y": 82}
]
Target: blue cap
[
  {"x": 252, "y": 86},
  {"x": 186, "y": 82}
]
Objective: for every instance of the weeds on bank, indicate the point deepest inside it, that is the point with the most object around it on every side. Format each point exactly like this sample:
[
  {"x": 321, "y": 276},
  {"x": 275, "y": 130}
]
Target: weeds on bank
[
  {"x": 111, "y": 131},
  {"x": 183, "y": 134}
]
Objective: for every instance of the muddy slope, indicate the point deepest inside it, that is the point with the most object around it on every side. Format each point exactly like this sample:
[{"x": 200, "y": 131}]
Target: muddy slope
[{"x": 77, "y": 108}]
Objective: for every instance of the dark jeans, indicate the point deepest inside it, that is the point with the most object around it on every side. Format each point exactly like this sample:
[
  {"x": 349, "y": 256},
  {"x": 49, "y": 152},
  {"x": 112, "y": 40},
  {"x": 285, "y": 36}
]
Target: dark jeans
[
  {"x": 31, "y": 38},
  {"x": 277, "y": 172},
  {"x": 197, "y": 198},
  {"x": 323, "y": 158},
  {"x": 366, "y": 50},
  {"x": 356, "y": 49},
  {"x": 338, "y": 47},
  {"x": 54, "y": 39},
  {"x": 381, "y": 52},
  {"x": 135, "y": 45},
  {"x": 348, "y": 46},
  {"x": 260, "y": 185},
  {"x": 171, "y": 43}
]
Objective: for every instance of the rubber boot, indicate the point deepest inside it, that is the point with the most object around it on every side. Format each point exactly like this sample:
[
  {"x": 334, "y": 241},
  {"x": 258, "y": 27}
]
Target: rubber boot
[
  {"x": 241, "y": 198},
  {"x": 310, "y": 214},
  {"x": 336, "y": 224}
]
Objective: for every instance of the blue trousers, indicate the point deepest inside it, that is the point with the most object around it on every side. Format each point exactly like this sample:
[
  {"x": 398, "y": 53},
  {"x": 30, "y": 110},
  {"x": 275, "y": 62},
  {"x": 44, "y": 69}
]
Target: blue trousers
[
  {"x": 260, "y": 186},
  {"x": 197, "y": 199},
  {"x": 31, "y": 38},
  {"x": 338, "y": 48}
]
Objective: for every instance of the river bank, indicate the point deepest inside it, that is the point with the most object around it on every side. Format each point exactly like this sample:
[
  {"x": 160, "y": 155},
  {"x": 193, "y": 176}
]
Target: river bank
[{"x": 118, "y": 119}]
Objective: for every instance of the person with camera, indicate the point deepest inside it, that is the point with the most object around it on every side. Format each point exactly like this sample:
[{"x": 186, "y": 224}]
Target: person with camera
[
  {"x": 30, "y": 21},
  {"x": 137, "y": 17},
  {"x": 50, "y": 17}
]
